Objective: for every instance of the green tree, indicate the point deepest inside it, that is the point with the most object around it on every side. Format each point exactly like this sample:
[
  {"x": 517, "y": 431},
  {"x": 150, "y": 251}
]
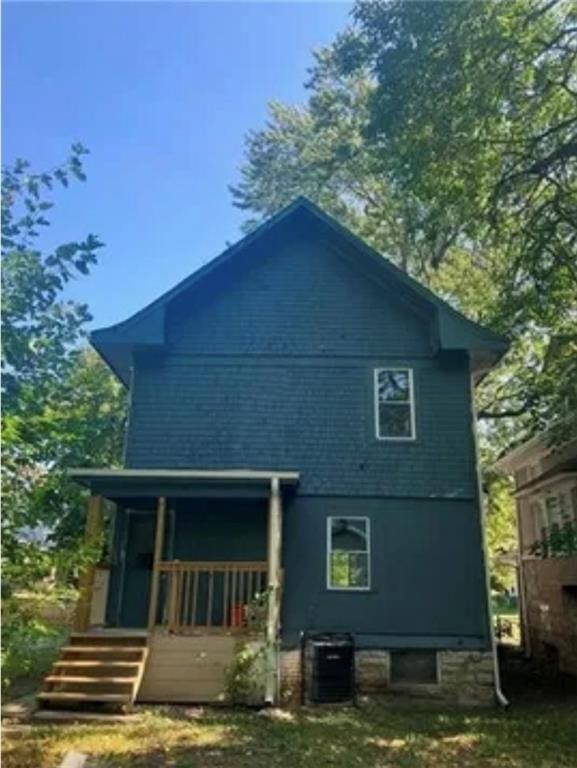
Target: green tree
[
  {"x": 60, "y": 405},
  {"x": 81, "y": 423},
  {"x": 445, "y": 135},
  {"x": 40, "y": 329},
  {"x": 474, "y": 112}
]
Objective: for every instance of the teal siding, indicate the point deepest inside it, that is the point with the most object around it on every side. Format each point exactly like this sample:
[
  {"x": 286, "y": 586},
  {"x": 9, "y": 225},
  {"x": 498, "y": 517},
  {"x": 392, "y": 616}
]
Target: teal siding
[
  {"x": 300, "y": 300},
  {"x": 273, "y": 369},
  {"x": 315, "y": 416},
  {"x": 427, "y": 584},
  {"x": 220, "y": 530}
]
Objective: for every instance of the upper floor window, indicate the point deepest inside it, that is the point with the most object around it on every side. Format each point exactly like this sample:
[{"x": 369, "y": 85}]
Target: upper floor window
[
  {"x": 394, "y": 404},
  {"x": 348, "y": 553}
]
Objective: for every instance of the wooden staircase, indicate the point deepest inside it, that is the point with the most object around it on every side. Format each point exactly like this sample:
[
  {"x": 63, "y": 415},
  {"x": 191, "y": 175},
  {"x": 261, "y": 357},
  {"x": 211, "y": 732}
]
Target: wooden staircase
[{"x": 95, "y": 671}]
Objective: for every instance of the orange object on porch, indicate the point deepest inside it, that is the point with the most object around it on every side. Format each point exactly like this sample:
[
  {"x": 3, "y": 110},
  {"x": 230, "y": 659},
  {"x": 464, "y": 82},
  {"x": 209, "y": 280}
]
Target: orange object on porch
[{"x": 237, "y": 614}]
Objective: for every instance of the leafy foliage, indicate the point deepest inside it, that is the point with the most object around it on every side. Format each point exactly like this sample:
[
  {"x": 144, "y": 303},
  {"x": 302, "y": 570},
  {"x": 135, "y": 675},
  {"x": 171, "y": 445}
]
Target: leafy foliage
[
  {"x": 496, "y": 155},
  {"x": 559, "y": 541},
  {"x": 61, "y": 406},
  {"x": 243, "y": 678},
  {"x": 40, "y": 329},
  {"x": 501, "y": 530},
  {"x": 445, "y": 134},
  {"x": 29, "y": 643}
]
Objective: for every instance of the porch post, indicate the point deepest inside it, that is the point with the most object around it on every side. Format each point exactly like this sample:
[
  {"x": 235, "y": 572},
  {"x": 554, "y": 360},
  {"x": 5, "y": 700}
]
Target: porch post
[
  {"x": 92, "y": 532},
  {"x": 158, "y": 545},
  {"x": 274, "y": 587}
]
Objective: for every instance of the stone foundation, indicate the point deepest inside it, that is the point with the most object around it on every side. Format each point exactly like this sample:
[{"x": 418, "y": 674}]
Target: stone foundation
[{"x": 465, "y": 678}]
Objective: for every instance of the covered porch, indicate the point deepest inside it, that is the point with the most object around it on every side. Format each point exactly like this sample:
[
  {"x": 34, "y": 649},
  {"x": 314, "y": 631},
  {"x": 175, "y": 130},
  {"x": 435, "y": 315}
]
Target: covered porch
[{"x": 195, "y": 564}]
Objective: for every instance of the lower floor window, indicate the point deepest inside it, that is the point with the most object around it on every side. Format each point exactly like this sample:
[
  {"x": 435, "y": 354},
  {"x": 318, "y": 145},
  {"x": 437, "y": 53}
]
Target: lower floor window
[
  {"x": 348, "y": 565},
  {"x": 414, "y": 667}
]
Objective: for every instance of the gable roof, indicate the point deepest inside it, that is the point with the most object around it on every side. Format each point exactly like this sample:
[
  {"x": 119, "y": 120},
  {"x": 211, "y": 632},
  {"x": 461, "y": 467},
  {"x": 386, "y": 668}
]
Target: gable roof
[{"x": 146, "y": 328}]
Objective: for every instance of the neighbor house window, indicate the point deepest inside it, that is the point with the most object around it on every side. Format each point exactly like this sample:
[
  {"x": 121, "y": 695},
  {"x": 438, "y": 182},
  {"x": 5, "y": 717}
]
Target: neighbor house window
[
  {"x": 348, "y": 548},
  {"x": 414, "y": 667},
  {"x": 394, "y": 404}
]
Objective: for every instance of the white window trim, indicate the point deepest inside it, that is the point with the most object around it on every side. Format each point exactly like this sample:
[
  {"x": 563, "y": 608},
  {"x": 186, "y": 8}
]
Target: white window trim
[
  {"x": 329, "y": 552},
  {"x": 538, "y": 514},
  {"x": 411, "y": 403}
]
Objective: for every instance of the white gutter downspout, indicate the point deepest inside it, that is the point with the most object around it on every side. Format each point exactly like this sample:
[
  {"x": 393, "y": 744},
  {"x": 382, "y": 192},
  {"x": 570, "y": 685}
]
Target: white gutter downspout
[
  {"x": 501, "y": 698},
  {"x": 274, "y": 587}
]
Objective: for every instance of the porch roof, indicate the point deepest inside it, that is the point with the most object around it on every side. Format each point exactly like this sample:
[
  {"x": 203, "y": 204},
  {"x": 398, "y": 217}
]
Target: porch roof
[{"x": 151, "y": 483}]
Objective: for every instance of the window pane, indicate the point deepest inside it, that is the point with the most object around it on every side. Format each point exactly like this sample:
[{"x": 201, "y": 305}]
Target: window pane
[
  {"x": 349, "y": 569},
  {"x": 552, "y": 507},
  {"x": 394, "y": 420},
  {"x": 348, "y": 534},
  {"x": 358, "y": 570},
  {"x": 339, "y": 569},
  {"x": 393, "y": 386}
]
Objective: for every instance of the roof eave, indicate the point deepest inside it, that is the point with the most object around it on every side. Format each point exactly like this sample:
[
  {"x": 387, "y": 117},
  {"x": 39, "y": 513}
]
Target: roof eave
[{"x": 146, "y": 328}]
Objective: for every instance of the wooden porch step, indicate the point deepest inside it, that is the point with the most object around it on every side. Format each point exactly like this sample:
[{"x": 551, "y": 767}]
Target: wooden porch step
[
  {"x": 119, "y": 634},
  {"x": 94, "y": 638},
  {"x": 110, "y": 698},
  {"x": 94, "y": 670},
  {"x": 90, "y": 680},
  {"x": 112, "y": 649},
  {"x": 95, "y": 664}
]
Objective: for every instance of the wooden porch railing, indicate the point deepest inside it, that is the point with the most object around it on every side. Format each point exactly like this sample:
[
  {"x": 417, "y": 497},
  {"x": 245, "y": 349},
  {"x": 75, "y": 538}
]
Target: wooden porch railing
[{"x": 217, "y": 595}]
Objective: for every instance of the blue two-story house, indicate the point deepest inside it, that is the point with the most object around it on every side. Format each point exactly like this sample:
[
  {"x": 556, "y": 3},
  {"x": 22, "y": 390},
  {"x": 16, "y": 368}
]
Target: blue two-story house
[{"x": 300, "y": 467}]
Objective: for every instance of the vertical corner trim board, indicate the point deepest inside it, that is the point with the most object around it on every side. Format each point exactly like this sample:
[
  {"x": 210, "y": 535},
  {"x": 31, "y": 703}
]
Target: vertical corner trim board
[{"x": 158, "y": 545}]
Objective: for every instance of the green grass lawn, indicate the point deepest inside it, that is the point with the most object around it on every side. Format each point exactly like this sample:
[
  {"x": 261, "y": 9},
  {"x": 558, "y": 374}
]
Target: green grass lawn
[{"x": 378, "y": 737}]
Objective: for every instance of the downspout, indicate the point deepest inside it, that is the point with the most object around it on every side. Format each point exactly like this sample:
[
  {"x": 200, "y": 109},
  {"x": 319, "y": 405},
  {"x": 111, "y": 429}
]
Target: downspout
[
  {"x": 500, "y": 696},
  {"x": 274, "y": 587}
]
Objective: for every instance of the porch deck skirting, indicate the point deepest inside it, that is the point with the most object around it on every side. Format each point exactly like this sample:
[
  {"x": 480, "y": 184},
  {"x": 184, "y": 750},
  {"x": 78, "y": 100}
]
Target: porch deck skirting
[{"x": 189, "y": 668}]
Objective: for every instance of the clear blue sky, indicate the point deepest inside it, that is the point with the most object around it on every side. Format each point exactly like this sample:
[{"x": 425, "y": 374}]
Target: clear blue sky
[{"x": 162, "y": 94}]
